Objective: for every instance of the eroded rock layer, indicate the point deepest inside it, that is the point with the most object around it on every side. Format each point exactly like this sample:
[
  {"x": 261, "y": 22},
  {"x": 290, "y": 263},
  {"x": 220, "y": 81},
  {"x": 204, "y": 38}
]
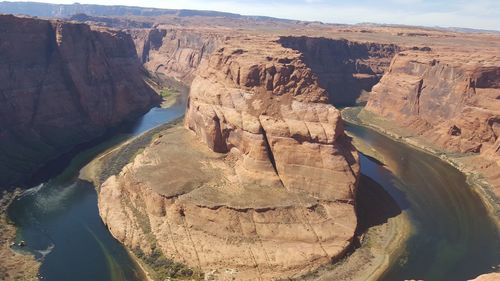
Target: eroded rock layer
[
  {"x": 269, "y": 191},
  {"x": 62, "y": 84},
  {"x": 174, "y": 52},
  {"x": 270, "y": 109},
  {"x": 346, "y": 69},
  {"x": 449, "y": 100}
]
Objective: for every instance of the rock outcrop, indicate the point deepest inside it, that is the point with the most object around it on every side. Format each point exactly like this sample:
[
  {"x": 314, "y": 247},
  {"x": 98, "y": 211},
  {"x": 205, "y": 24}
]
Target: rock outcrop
[
  {"x": 271, "y": 110},
  {"x": 268, "y": 194},
  {"x": 346, "y": 69},
  {"x": 62, "y": 84},
  {"x": 487, "y": 277}
]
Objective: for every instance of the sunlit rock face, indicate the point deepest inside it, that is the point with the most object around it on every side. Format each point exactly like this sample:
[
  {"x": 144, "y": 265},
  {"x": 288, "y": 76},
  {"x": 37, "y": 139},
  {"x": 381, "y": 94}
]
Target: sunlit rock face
[
  {"x": 258, "y": 183},
  {"x": 450, "y": 98}
]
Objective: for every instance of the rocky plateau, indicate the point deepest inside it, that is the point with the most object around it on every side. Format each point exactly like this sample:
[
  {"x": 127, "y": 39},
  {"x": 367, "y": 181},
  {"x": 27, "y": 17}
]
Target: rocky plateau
[{"x": 271, "y": 192}]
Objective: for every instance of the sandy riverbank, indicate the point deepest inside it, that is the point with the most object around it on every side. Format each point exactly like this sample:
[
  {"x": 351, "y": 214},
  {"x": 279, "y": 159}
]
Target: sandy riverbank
[{"x": 14, "y": 265}]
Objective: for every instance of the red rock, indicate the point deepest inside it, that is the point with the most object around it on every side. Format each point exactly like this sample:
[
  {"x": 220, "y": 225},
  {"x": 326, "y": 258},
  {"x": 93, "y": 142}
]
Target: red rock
[
  {"x": 172, "y": 52},
  {"x": 62, "y": 84},
  {"x": 268, "y": 106},
  {"x": 451, "y": 99}
]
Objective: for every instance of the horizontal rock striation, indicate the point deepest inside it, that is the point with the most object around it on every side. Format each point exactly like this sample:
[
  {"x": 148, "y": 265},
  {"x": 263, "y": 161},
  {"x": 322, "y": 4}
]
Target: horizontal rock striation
[
  {"x": 62, "y": 84},
  {"x": 450, "y": 102},
  {"x": 271, "y": 110},
  {"x": 195, "y": 211},
  {"x": 453, "y": 100},
  {"x": 267, "y": 194},
  {"x": 346, "y": 69},
  {"x": 174, "y": 52}
]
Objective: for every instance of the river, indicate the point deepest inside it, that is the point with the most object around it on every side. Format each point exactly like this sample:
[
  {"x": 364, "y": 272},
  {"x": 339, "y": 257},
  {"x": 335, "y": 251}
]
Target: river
[
  {"x": 452, "y": 236},
  {"x": 60, "y": 223}
]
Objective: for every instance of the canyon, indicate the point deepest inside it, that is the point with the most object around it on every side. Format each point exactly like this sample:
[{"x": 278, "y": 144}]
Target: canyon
[
  {"x": 62, "y": 84},
  {"x": 261, "y": 106},
  {"x": 449, "y": 101},
  {"x": 259, "y": 181}
]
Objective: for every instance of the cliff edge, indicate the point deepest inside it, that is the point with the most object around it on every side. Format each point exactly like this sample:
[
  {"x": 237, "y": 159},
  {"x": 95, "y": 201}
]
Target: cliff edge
[
  {"x": 62, "y": 84},
  {"x": 448, "y": 101}
]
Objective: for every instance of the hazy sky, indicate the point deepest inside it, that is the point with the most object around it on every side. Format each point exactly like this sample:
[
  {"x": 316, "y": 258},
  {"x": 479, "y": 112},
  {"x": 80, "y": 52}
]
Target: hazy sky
[{"x": 483, "y": 14}]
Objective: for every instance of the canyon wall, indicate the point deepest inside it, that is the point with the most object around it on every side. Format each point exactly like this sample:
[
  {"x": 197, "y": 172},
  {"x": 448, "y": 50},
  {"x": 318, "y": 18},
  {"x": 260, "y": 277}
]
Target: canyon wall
[
  {"x": 448, "y": 101},
  {"x": 174, "y": 53},
  {"x": 269, "y": 191},
  {"x": 62, "y": 84},
  {"x": 346, "y": 69},
  {"x": 451, "y": 99}
]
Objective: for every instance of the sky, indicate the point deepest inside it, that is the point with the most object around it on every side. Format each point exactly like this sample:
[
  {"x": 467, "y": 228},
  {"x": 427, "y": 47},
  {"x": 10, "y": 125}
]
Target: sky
[{"x": 482, "y": 14}]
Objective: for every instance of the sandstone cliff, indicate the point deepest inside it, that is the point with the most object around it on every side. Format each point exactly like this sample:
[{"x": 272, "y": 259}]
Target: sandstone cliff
[
  {"x": 270, "y": 193},
  {"x": 452, "y": 99},
  {"x": 174, "y": 53},
  {"x": 61, "y": 84},
  {"x": 346, "y": 69},
  {"x": 449, "y": 100},
  {"x": 271, "y": 109}
]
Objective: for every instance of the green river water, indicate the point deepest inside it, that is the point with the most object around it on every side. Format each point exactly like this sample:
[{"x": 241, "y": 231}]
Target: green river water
[{"x": 453, "y": 238}]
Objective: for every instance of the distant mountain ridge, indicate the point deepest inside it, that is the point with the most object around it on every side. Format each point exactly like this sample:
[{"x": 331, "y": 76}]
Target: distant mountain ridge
[
  {"x": 438, "y": 28},
  {"x": 48, "y": 10}
]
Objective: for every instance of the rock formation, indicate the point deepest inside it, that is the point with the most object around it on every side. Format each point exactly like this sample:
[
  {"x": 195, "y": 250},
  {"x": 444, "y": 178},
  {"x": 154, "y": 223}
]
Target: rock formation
[
  {"x": 271, "y": 196},
  {"x": 450, "y": 100},
  {"x": 174, "y": 52},
  {"x": 62, "y": 84},
  {"x": 346, "y": 69},
  {"x": 272, "y": 111}
]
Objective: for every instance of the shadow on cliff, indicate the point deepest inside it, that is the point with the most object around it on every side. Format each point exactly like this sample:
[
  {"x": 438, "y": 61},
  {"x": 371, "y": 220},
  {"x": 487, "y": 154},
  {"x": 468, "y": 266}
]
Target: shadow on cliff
[
  {"x": 347, "y": 70},
  {"x": 374, "y": 205}
]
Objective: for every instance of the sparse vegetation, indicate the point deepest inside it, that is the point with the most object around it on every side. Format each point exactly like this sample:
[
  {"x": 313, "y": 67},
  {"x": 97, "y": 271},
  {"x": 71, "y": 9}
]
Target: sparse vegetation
[
  {"x": 163, "y": 268},
  {"x": 115, "y": 162},
  {"x": 166, "y": 93}
]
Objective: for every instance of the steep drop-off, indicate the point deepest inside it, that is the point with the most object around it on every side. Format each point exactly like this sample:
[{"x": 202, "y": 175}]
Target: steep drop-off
[
  {"x": 346, "y": 69},
  {"x": 270, "y": 191},
  {"x": 174, "y": 53},
  {"x": 448, "y": 100},
  {"x": 62, "y": 84}
]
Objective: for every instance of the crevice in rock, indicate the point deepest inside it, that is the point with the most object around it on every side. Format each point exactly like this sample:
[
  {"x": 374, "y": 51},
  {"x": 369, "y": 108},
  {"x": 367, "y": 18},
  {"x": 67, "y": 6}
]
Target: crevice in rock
[
  {"x": 420, "y": 88},
  {"x": 270, "y": 154}
]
